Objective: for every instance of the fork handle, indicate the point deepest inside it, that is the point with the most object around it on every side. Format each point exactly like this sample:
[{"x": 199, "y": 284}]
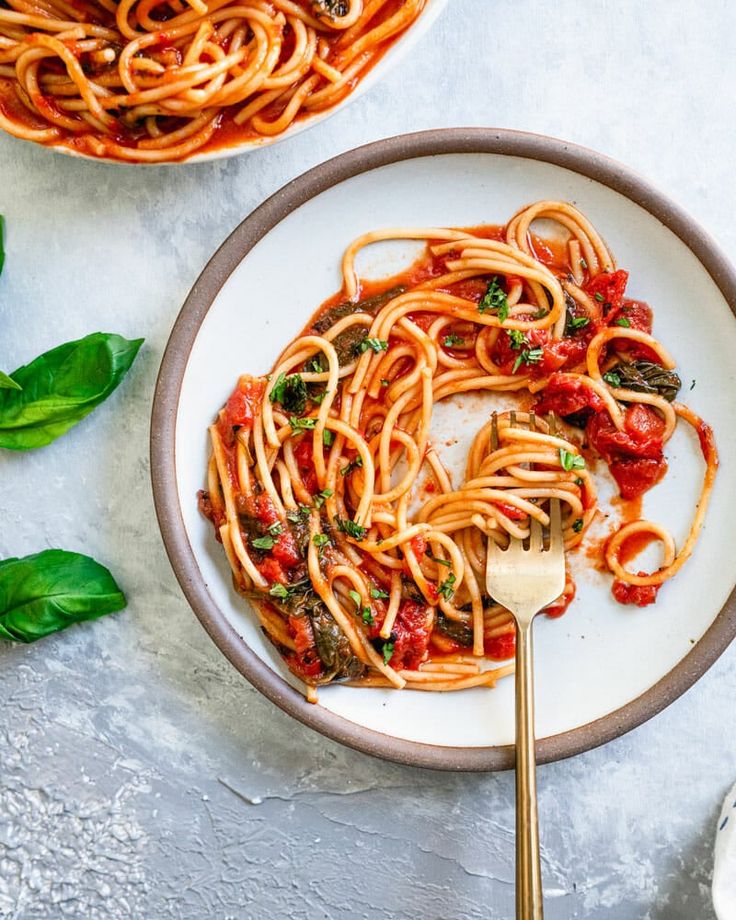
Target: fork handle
[{"x": 528, "y": 872}]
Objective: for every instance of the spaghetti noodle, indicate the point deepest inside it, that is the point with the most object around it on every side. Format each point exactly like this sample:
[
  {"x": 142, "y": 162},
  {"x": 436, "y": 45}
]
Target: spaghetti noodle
[
  {"x": 150, "y": 81},
  {"x": 315, "y": 469}
]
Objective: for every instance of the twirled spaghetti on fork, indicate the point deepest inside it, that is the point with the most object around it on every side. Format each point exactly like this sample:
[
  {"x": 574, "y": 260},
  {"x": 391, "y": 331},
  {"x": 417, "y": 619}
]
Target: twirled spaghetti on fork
[{"x": 316, "y": 469}]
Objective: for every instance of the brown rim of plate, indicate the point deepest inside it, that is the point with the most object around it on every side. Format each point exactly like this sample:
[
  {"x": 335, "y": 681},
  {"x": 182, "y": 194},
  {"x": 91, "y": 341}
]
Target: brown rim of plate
[{"x": 586, "y": 162}]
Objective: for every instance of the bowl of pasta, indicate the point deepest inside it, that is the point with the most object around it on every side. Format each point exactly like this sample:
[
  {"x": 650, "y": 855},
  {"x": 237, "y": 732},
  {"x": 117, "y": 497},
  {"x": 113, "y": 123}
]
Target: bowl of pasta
[
  {"x": 324, "y": 475},
  {"x": 167, "y": 82}
]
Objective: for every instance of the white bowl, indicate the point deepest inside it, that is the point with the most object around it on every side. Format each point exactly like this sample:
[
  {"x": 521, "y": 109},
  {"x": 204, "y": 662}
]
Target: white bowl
[{"x": 602, "y": 668}]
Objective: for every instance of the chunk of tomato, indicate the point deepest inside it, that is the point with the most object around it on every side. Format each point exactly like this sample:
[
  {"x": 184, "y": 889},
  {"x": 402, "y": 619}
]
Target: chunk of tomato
[
  {"x": 305, "y": 463},
  {"x": 272, "y": 571},
  {"x": 565, "y": 395},
  {"x": 639, "y": 595},
  {"x": 641, "y": 435},
  {"x": 499, "y": 648},
  {"x": 637, "y": 476},
  {"x": 607, "y": 290},
  {"x": 410, "y": 635},
  {"x": 304, "y": 661},
  {"x": 244, "y": 402}
]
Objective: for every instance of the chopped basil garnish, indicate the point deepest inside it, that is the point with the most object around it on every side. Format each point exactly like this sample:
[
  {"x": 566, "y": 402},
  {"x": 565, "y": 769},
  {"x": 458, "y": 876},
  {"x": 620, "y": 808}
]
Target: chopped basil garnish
[
  {"x": 571, "y": 461},
  {"x": 377, "y": 345},
  {"x": 291, "y": 392},
  {"x": 518, "y": 338},
  {"x": 446, "y": 589},
  {"x": 354, "y": 464},
  {"x": 319, "y": 498},
  {"x": 302, "y": 424},
  {"x": 495, "y": 301},
  {"x": 296, "y": 516},
  {"x": 263, "y": 542},
  {"x": 528, "y": 356},
  {"x": 351, "y": 528}
]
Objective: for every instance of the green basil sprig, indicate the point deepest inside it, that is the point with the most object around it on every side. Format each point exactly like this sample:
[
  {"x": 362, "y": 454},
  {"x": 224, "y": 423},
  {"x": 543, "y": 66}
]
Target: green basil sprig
[
  {"x": 61, "y": 387},
  {"x": 46, "y": 592},
  {"x": 7, "y": 383}
]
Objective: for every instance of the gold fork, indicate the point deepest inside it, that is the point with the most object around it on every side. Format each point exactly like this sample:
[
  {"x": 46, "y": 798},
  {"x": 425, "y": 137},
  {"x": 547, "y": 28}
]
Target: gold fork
[{"x": 524, "y": 579}]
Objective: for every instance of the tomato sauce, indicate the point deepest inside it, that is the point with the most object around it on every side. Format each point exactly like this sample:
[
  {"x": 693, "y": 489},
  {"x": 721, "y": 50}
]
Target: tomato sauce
[
  {"x": 634, "y": 455},
  {"x": 510, "y": 511},
  {"x": 303, "y": 454},
  {"x": 410, "y": 635},
  {"x": 567, "y": 396},
  {"x": 607, "y": 289},
  {"x": 304, "y": 661},
  {"x": 634, "y": 546},
  {"x": 559, "y": 607},
  {"x": 638, "y": 595},
  {"x": 243, "y": 405},
  {"x": 500, "y": 648}
]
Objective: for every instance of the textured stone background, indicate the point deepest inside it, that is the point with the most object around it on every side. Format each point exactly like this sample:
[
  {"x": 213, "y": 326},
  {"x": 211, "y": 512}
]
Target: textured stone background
[{"x": 141, "y": 776}]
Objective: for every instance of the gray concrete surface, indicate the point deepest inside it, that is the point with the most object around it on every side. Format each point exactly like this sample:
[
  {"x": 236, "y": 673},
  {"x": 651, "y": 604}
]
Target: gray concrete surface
[{"x": 140, "y": 775}]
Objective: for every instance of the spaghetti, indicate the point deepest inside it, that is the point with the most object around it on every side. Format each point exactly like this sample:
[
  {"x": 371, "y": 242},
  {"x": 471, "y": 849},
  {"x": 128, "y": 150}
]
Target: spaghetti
[
  {"x": 315, "y": 473},
  {"x": 150, "y": 81}
]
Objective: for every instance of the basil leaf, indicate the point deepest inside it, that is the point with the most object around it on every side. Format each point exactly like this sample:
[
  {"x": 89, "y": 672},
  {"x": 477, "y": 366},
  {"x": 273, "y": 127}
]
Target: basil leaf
[
  {"x": 458, "y": 631},
  {"x": 645, "y": 377},
  {"x": 376, "y": 345},
  {"x": 570, "y": 461},
  {"x": 7, "y": 383},
  {"x": 446, "y": 589},
  {"x": 495, "y": 300},
  {"x": 61, "y": 387},
  {"x": 291, "y": 392},
  {"x": 351, "y": 528},
  {"x": 49, "y": 591},
  {"x": 302, "y": 424}
]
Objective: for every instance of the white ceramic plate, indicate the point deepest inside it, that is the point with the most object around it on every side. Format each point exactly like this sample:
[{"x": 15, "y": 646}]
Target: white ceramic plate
[
  {"x": 388, "y": 61},
  {"x": 601, "y": 661}
]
